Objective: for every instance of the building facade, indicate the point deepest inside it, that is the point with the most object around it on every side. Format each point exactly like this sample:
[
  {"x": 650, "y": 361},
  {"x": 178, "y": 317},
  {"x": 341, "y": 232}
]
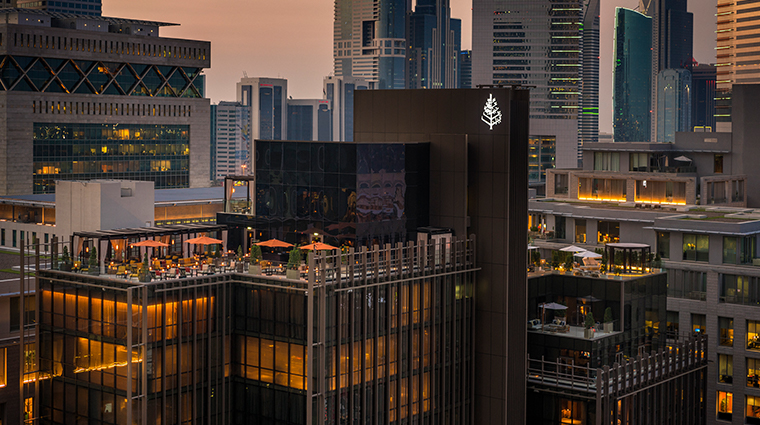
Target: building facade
[
  {"x": 266, "y": 99},
  {"x": 632, "y": 76},
  {"x": 703, "y": 97},
  {"x": 245, "y": 349},
  {"x": 673, "y": 104},
  {"x": 94, "y": 102},
  {"x": 369, "y": 41},
  {"x": 433, "y": 41},
  {"x": 340, "y": 91},
  {"x": 465, "y": 69},
  {"x": 309, "y": 119},
  {"x": 542, "y": 44},
  {"x": 230, "y": 139},
  {"x": 77, "y": 7}
]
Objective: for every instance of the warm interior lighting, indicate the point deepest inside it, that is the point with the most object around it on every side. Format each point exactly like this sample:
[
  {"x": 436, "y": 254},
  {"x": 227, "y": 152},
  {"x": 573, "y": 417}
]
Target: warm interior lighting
[{"x": 603, "y": 199}]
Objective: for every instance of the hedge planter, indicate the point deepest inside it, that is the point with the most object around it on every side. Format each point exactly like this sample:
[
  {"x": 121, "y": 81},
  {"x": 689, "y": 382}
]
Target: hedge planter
[
  {"x": 254, "y": 269},
  {"x": 292, "y": 274}
]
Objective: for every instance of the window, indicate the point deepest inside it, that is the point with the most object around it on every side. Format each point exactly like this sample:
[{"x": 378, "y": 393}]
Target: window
[
  {"x": 753, "y": 410},
  {"x": 2, "y": 237},
  {"x": 725, "y": 368},
  {"x": 607, "y": 161},
  {"x": 608, "y": 232},
  {"x": 726, "y": 325},
  {"x": 672, "y": 322},
  {"x": 15, "y": 313},
  {"x": 639, "y": 162},
  {"x": 739, "y": 289},
  {"x": 753, "y": 372},
  {"x": 560, "y": 184},
  {"x": 572, "y": 412},
  {"x": 687, "y": 284},
  {"x": 738, "y": 250},
  {"x": 753, "y": 339},
  {"x": 698, "y": 323},
  {"x": 580, "y": 231},
  {"x": 718, "y": 169},
  {"x": 696, "y": 247},
  {"x": 3, "y": 373},
  {"x": 14, "y": 239},
  {"x": 663, "y": 244},
  {"x": 725, "y": 405}
]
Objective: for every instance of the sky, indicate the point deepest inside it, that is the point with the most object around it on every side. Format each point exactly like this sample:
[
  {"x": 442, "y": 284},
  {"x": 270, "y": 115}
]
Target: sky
[{"x": 293, "y": 39}]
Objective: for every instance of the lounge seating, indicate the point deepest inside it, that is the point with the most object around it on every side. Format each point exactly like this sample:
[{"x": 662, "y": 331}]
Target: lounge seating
[{"x": 534, "y": 324}]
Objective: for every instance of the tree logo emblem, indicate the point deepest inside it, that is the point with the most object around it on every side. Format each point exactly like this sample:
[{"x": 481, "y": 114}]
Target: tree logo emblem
[{"x": 491, "y": 112}]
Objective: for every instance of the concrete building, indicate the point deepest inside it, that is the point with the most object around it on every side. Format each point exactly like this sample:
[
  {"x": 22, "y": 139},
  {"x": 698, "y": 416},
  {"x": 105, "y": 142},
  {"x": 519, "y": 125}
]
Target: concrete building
[
  {"x": 369, "y": 41},
  {"x": 96, "y": 88},
  {"x": 76, "y": 7},
  {"x": 340, "y": 92},
  {"x": 266, "y": 99},
  {"x": 230, "y": 139},
  {"x": 310, "y": 119},
  {"x": 517, "y": 43}
]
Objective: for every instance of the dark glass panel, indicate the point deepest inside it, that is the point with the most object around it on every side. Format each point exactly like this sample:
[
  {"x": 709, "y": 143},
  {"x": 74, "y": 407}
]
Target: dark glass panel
[
  {"x": 9, "y": 72},
  {"x": 69, "y": 76}
]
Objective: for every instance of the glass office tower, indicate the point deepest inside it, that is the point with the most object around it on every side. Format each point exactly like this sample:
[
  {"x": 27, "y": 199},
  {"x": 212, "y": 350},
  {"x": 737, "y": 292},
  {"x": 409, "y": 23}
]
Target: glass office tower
[
  {"x": 673, "y": 104},
  {"x": 632, "y": 76}
]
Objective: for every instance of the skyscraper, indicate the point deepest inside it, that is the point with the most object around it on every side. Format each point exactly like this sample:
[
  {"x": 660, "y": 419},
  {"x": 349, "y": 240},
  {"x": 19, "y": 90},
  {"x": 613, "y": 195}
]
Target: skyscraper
[
  {"x": 230, "y": 138},
  {"x": 79, "y": 7},
  {"x": 703, "y": 96},
  {"x": 340, "y": 92},
  {"x": 673, "y": 103},
  {"x": 672, "y": 42},
  {"x": 737, "y": 53},
  {"x": 267, "y": 100},
  {"x": 552, "y": 45},
  {"x": 632, "y": 76},
  {"x": 309, "y": 119},
  {"x": 369, "y": 41},
  {"x": 465, "y": 69},
  {"x": 433, "y": 41}
]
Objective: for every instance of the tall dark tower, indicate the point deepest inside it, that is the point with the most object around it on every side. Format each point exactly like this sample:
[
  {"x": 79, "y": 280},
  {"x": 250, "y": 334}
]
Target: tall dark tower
[{"x": 433, "y": 41}]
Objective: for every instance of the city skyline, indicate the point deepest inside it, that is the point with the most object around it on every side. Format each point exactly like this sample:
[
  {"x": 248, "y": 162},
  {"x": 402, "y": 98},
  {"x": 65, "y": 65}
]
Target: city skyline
[{"x": 304, "y": 57}]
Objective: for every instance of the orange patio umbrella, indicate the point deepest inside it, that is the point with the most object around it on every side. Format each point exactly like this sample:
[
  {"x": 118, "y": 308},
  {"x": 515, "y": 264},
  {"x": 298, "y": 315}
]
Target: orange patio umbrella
[
  {"x": 151, "y": 243},
  {"x": 319, "y": 246},
  {"x": 274, "y": 243},
  {"x": 203, "y": 240}
]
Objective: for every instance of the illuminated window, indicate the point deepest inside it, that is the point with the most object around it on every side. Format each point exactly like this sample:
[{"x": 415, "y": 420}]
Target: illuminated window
[
  {"x": 572, "y": 412},
  {"x": 663, "y": 244},
  {"x": 698, "y": 323},
  {"x": 753, "y": 337},
  {"x": 696, "y": 247},
  {"x": 753, "y": 410},
  {"x": 753, "y": 372},
  {"x": 3, "y": 368},
  {"x": 725, "y": 403}
]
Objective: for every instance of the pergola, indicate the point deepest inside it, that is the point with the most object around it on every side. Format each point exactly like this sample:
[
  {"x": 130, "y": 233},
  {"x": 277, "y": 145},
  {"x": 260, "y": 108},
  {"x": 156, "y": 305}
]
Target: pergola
[
  {"x": 632, "y": 255},
  {"x": 119, "y": 239}
]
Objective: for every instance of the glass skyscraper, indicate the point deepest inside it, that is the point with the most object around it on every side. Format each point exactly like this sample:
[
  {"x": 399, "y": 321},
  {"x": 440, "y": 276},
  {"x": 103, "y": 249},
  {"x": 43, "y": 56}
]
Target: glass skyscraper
[
  {"x": 673, "y": 103},
  {"x": 433, "y": 45},
  {"x": 369, "y": 41},
  {"x": 632, "y": 76}
]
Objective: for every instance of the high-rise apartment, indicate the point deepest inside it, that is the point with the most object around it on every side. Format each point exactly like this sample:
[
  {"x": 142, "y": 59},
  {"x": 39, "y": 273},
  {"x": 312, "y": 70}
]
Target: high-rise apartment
[
  {"x": 89, "y": 97},
  {"x": 433, "y": 41},
  {"x": 230, "y": 139},
  {"x": 673, "y": 104},
  {"x": 737, "y": 53},
  {"x": 309, "y": 119},
  {"x": 369, "y": 41},
  {"x": 78, "y": 7},
  {"x": 267, "y": 100},
  {"x": 550, "y": 45},
  {"x": 703, "y": 96},
  {"x": 465, "y": 69},
  {"x": 632, "y": 76}
]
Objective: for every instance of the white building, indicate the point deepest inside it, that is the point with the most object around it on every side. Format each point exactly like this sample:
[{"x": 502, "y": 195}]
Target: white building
[
  {"x": 230, "y": 139},
  {"x": 266, "y": 99},
  {"x": 340, "y": 92}
]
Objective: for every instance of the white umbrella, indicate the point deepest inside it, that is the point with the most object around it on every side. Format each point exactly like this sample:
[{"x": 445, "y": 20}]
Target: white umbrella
[
  {"x": 531, "y": 247},
  {"x": 572, "y": 248},
  {"x": 683, "y": 158},
  {"x": 588, "y": 254}
]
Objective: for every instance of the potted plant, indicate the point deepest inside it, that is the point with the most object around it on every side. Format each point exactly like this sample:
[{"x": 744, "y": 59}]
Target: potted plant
[
  {"x": 536, "y": 257},
  {"x": 94, "y": 267},
  {"x": 65, "y": 265},
  {"x": 608, "y": 325},
  {"x": 555, "y": 260},
  {"x": 144, "y": 274},
  {"x": 657, "y": 263},
  {"x": 255, "y": 266},
  {"x": 294, "y": 261},
  {"x": 239, "y": 258},
  {"x": 604, "y": 262},
  {"x": 569, "y": 263},
  {"x": 588, "y": 324}
]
